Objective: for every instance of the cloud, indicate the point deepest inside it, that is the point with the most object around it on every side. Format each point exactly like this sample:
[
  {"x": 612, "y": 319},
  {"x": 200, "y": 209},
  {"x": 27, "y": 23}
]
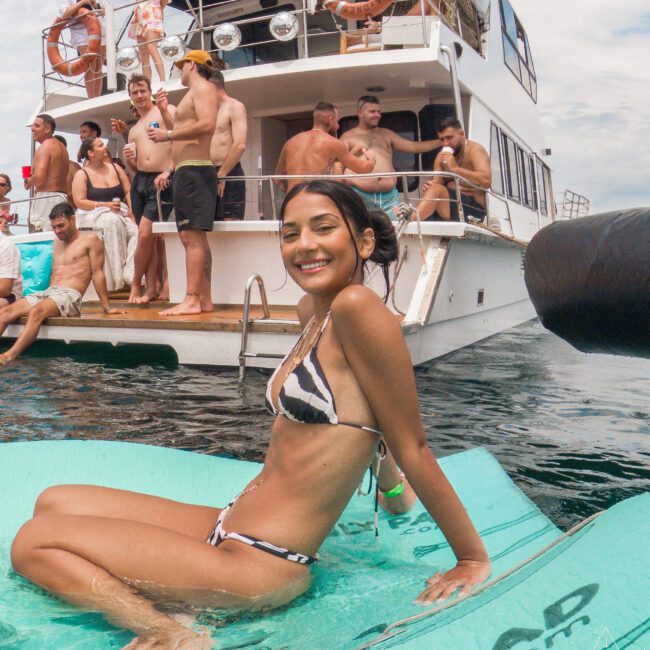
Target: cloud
[{"x": 594, "y": 89}]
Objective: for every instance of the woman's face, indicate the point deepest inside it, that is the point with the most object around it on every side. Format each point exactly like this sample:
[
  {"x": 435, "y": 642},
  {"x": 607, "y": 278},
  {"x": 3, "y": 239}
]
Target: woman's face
[
  {"x": 316, "y": 246},
  {"x": 100, "y": 152},
  {"x": 4, "y": 187}
]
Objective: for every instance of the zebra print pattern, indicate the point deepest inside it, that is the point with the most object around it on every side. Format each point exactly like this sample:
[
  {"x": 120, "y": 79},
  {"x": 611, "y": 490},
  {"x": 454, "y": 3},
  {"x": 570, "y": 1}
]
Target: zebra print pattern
[{"x": 219, "y": 534}]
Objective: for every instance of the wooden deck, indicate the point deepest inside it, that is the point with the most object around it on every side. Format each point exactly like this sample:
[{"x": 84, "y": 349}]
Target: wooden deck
[{"x": 225, "y": 318}]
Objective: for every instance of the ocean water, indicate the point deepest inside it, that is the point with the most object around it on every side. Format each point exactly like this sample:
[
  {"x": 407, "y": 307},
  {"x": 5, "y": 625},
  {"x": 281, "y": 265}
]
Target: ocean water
[{"x": 572, "y": 430}]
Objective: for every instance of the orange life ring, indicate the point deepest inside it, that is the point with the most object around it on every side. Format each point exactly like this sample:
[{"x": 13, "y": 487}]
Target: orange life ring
[
  {"x": 357, "y": 10},
  {"x": 82, "y": 63}
]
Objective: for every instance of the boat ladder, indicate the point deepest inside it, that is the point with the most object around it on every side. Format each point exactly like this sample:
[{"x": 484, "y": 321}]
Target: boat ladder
[{"x": 247, "y": 322}]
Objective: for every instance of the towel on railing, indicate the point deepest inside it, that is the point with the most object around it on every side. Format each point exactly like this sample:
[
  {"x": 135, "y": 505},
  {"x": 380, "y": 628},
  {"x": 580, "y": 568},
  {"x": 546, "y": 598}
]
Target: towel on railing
[{"x": 120, "y": 237}]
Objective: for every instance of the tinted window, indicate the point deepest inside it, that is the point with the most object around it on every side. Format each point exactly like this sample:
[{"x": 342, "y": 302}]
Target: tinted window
[
  {"x": 495, "y": 160},
  {"x": 541, "y": 188},
  {"x": 267, "y": 52},
  {"x": 526, "y": 181},
  {"x": 512, "y": 169},
  {"x": 516, "y": 50}
]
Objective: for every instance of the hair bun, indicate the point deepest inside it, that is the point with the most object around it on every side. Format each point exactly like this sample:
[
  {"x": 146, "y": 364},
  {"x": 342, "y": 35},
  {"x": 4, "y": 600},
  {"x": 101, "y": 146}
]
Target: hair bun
[{"x": 386, "y": 246}]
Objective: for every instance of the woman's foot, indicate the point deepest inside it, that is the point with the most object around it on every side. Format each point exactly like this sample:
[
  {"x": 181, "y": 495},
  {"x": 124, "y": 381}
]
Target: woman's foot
[{"x": 183, "y": 639}]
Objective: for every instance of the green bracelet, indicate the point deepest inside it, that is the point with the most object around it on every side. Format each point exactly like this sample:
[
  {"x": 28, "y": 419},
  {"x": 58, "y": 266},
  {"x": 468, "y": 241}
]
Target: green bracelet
[{"x": 394, "y": 492}]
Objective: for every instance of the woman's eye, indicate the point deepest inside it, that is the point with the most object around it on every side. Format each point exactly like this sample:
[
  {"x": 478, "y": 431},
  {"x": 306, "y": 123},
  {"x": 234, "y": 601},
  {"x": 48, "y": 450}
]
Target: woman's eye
[
  {"x": 324, "y": 228},
  {"x": 288, "y": 236}
]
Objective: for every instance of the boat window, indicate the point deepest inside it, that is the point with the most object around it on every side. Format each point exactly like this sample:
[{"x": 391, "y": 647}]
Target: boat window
[
  {"x": 257, "y": 44},
  {"x": 404, "y": 123},
  {"x": 516, "y": 50},
  {"x": 541, "y": 186},
  {"x": 526, "y": 182},
  {"x": 495, "y": 159},
  {"x": 511, "y": 168},
  {"x": 533, "y": 182}
]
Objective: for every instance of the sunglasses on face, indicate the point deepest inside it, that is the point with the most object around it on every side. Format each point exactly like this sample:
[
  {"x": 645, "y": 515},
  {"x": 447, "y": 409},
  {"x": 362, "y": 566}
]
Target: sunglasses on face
[{"x": 4, "y": 185}]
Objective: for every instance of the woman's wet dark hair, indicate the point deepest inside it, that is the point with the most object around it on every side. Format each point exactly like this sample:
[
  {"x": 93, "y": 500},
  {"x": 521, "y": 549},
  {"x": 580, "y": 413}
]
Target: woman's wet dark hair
[
  {"x": 356, "y": 215},
  {"x": 85, "y": 147}
]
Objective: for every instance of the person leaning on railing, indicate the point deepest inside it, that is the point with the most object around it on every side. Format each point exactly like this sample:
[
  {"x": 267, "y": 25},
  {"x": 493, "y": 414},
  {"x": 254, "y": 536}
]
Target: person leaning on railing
[
  {"x": 79, "y": 39},
  {"x": 146, "y": 29},
  {"x": 5, "y": 205}
]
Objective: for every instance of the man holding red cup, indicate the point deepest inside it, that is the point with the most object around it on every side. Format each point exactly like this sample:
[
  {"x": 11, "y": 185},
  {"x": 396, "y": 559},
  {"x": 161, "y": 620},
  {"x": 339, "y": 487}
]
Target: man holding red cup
[{"x": 48, "y": 174}]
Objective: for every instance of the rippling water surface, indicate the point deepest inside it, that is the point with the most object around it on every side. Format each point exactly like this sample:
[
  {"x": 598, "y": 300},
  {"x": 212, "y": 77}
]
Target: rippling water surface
[{"x": 572, "y": 430}]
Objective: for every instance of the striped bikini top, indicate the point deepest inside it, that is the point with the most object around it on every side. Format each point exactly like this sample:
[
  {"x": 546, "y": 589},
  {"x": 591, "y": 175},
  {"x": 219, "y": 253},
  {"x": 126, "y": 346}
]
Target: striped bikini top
[{"x": 305, "y": 395}]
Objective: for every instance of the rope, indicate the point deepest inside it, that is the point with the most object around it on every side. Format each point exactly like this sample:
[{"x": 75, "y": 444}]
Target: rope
[{"x": 417, "y": 617}]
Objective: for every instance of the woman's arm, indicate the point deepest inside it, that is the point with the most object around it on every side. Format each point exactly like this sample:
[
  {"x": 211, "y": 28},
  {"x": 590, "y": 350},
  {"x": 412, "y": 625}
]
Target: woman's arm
[
  {"x": 372, "y": 341},
  {"x": 126, "y": 186},
  {"x": 80, "y": 194}
]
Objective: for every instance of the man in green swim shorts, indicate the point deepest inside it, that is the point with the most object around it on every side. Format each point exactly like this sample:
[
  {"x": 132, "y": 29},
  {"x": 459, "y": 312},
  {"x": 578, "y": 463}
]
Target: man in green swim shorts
[{"x": 379, "y": 192}]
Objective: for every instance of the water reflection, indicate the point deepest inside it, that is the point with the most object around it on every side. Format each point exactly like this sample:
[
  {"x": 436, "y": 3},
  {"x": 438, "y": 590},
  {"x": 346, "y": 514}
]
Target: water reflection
[{"x": 571, "y": 429}]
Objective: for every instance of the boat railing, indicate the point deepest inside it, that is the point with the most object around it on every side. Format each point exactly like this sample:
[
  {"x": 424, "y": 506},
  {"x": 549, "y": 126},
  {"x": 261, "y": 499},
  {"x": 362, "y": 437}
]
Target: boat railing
[
  {"x": 17, "y": 221},
  {"x": 265, "y": 200},
  {"x": 314, "y": 30}
]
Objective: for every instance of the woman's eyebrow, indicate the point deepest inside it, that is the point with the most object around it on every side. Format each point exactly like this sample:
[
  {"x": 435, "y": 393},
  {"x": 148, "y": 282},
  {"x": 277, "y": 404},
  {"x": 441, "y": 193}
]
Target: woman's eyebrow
[{"x": 316, "y": 217}]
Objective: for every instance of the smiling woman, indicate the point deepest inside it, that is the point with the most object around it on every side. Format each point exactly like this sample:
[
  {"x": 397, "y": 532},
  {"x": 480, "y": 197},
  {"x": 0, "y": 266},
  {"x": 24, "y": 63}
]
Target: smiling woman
[{"x": 348, "y": 381}]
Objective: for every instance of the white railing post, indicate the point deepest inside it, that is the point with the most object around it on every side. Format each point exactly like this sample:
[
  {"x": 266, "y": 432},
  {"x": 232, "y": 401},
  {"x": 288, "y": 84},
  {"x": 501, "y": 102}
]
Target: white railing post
[{"x": 111, "y": 57}]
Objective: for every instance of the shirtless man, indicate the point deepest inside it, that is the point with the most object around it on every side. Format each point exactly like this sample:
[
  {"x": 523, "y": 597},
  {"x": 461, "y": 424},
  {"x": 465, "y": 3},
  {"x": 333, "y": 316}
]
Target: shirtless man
[
  {"x": 76, "y": 259},
  {"x": 195, "y": 178},
  {"x": 470, "y": 161},
  {"x": 379, "y": 192},
  {"x": 49, "y": 173},
  {"x": 316, "y": 151},
  {"x": 226, "y": 149},
  {"x": 153, "y": 167},
  {"x": 73, "y": 168}
]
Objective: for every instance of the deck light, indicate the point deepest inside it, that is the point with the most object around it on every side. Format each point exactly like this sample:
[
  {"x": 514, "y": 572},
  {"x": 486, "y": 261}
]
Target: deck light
[
  {"x": 226, "y": 36},
  {"x": 171, "y": 48},
  {"x": 128, "y": 59},
  {"x": 284, "y": 26}
]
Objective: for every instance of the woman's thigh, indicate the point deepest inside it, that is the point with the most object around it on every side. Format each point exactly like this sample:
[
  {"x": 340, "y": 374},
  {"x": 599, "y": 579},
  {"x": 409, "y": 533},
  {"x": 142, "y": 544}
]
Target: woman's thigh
[
  {"x": 92, "y": 500},
  {"x": 159, "y": 560}
]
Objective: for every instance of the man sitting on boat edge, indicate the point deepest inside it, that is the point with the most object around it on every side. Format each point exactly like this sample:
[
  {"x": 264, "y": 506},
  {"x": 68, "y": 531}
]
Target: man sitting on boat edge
[
  {"x": 469, "y": 160},
  {"x": 76, "y": 259}
]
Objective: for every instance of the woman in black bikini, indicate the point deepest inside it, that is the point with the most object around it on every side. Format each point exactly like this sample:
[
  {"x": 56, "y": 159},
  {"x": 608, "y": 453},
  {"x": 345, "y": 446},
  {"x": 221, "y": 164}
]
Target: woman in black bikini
[
  {"x": 95, "y": 188},
  {"x": 347, "y": 381}
]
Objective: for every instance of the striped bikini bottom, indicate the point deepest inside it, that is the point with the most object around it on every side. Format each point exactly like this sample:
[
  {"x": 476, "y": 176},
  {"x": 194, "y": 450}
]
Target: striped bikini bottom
[{"x": 218, "y": 535}]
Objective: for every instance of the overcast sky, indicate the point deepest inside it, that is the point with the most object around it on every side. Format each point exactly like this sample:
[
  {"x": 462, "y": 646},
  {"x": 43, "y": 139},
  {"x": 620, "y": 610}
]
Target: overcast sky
[{"x": 594, "y": 91}]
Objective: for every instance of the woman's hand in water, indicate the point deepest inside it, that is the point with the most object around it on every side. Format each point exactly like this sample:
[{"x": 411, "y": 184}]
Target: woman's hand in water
[
  {"x": 185, "y": 639},
  {"x": 463, "y": 576}
]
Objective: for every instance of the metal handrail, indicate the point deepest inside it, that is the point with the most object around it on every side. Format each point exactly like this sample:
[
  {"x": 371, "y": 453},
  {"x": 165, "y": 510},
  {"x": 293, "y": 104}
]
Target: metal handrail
[{"x": 246, "y": 323}]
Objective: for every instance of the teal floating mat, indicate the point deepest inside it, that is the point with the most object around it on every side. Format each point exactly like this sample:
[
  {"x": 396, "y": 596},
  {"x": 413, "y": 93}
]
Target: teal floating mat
[{"x": 360, "y": 585}]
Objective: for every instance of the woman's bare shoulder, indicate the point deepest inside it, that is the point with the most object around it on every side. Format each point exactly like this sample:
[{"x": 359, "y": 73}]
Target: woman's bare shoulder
[{"x": 359, "y": 310}]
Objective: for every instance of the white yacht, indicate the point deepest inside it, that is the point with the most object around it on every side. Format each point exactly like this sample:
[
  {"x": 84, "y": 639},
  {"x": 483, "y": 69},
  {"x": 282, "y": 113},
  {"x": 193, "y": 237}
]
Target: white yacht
[{"x": 456, "y": 282}]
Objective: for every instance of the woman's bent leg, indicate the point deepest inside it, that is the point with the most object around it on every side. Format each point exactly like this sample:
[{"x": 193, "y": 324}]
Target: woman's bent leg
[
  {"x": 98, "y": 563},
  {"x": 95, "y": 501}
]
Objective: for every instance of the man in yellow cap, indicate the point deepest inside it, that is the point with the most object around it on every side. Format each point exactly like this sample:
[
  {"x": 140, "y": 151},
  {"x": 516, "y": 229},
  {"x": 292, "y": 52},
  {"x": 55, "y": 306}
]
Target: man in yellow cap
[{"x": 190, "y": 131}]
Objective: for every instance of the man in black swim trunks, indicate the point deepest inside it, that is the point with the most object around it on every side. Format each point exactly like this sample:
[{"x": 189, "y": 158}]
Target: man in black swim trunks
[
  {"x": 153, "y": 166},
  {"x": 470, "y": 161},
  {"x": 226, "y": 149},
  {"x": 195, "y": 177}
]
